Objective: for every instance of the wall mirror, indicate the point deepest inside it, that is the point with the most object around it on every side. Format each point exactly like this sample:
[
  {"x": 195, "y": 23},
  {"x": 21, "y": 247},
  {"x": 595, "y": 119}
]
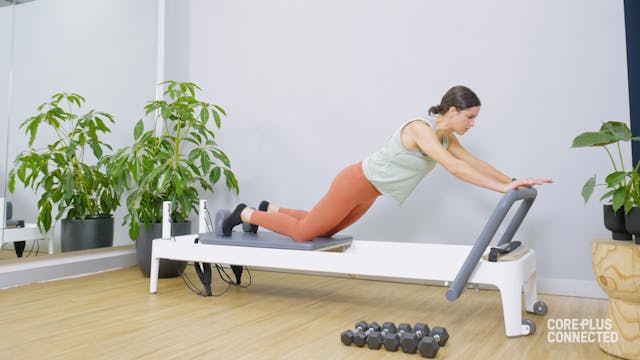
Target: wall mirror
[
  {"x": 103, "y": 50},
  {"x": 6, "y": 44}
]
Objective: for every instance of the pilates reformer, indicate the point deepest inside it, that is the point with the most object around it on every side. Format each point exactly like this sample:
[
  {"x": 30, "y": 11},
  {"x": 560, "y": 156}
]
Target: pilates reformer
[{"x": 455, "y": 265}]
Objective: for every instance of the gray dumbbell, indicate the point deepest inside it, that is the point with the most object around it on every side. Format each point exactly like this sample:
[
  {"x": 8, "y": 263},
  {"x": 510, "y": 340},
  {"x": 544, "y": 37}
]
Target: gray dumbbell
[
  {"x": 361, "y": 338},
  {"x": 375, "y": 340},
  {"x": 392, "y": 341},
  {"x": 347, "y": 336},
  {"x": 429, "y": 345},
  {"x": 410, "y": 341}
]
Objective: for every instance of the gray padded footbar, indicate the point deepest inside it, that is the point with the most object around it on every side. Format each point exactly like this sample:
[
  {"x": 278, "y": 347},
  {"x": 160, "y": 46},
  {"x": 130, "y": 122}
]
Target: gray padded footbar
[{"x": 265, "y": 239}]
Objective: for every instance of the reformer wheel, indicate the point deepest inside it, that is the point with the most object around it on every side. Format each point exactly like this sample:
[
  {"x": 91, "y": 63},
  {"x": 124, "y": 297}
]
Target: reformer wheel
[
  {"x": 540, "y": 308},
  {"x": 219, "y": 218},
  {"x": 531, "y": 325}
]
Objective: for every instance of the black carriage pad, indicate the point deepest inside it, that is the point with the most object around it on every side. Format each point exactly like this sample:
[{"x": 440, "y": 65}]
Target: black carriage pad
[{"x": 266, "y": 239}]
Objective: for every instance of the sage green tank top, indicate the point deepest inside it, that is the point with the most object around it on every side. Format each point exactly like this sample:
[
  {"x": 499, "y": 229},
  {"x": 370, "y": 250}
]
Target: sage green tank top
[{"x": 396, "y": 171}]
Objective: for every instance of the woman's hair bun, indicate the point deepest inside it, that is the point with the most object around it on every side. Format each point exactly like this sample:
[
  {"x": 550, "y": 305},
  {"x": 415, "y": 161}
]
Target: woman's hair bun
[{"x": 436, "y": 109}]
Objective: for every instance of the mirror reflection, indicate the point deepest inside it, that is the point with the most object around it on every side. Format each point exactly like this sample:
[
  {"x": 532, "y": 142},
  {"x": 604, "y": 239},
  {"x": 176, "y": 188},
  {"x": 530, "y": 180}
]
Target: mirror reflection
[
  {"x": 6, "y": 31},
  {"x": 82, "y": 71}
]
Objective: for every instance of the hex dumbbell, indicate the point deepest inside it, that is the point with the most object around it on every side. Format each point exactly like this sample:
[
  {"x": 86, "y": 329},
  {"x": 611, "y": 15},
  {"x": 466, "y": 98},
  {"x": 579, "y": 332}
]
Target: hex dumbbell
[
  {"x": 347, "y": 336},
  {"x": 361, "y": 337},
  {"x": 375, "y": 340},
  {"x": 410, "y": 341},
  {"x": 429, "y": 345},
  {"x": 392, "y": 341}
]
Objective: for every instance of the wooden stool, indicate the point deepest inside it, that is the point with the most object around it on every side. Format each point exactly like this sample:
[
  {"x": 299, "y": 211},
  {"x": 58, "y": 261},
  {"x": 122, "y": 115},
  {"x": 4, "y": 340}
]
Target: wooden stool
[{"x": 616, "y": 265}]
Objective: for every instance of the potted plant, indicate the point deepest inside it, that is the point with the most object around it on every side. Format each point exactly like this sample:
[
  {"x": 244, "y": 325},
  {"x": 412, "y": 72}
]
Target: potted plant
[
  {"x": 614, "y": 267},
  {"x": 632, "y": 215},
  {"x": 618, "y": 183},
  {"x": 613, "y": 261},
  {"x": 171, "y": 165},
  {"x": 67, "y": 178}
]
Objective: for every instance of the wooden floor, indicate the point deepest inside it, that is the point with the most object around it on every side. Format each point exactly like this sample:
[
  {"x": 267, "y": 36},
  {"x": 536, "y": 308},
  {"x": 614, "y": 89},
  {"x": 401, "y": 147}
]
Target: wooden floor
[
  {"x": 281, "y": 316},
  {"x": 29, "y": 251}
]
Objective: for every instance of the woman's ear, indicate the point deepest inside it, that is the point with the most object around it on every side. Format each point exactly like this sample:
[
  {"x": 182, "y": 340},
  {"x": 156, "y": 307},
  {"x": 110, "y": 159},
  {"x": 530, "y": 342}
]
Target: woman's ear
[{"x": 452, "y": 110}]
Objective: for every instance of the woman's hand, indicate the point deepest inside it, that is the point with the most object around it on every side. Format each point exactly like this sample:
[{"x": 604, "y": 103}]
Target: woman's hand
[{"x": 527, "y": 182}]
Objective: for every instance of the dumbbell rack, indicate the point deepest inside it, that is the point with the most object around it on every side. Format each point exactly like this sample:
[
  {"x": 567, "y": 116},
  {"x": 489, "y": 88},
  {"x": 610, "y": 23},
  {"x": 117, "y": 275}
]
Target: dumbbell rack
[{"x": 451, "y": 264}]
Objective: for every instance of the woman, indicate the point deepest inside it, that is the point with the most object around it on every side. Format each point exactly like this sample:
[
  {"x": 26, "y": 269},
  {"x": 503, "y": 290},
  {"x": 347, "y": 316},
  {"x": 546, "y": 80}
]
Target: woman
[{"x": 395, "y": 170}]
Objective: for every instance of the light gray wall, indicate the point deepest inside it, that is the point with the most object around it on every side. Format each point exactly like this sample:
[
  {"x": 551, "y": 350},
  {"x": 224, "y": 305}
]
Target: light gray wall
[
  {"x": 313, "y": 86},
  {"x": 103, "y": 50}
]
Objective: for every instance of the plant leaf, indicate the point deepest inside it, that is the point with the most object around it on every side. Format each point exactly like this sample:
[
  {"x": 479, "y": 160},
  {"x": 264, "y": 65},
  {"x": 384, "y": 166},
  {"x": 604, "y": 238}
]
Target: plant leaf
[
  {"x": 587, "y": 139},
  {"x": 619, "y": 130},
  {"x": 220, "y": 109},
  {"x": 67, "y": 185},
  {"x": 138, "y": 129},
  {"x": 607, "y": 195},
  {"x": 619, "y": 196},
  {"x": 204, "y": 115},
  {"x": 216, "y": 117},
  {"x": 214, "y": 175},
  {"x": 587, "y": 188},
  {"x": 615, "y": 178}
]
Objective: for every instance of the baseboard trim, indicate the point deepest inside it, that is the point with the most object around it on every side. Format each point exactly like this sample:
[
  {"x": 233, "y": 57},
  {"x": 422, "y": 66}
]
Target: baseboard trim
[
  {"x": 561, "y": 287},
  {"x": 25, "y": 271},
  {"x": 571, "y": 287}
]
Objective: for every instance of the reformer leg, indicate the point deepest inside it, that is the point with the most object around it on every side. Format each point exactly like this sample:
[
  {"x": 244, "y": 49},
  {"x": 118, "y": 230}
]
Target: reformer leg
[
  {"x": 530, "y": 293},
  {"x": 153, "y": 276},
  {"x": 512, "y": 309},
  {"x": 50, "y": 241}
]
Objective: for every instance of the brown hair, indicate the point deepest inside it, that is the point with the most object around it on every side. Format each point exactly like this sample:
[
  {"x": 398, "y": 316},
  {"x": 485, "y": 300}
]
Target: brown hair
[{"x": 460, "y": 97}]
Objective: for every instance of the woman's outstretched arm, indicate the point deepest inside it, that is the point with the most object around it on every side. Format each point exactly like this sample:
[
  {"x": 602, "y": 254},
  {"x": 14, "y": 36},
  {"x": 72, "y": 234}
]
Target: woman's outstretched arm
[{"x": 481, "y": 175}]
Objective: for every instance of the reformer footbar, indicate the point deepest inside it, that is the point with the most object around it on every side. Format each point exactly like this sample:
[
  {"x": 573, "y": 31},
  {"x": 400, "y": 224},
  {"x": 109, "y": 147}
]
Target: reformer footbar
[
  {"x": 420, "y": 261},
  {"x": 527, "y": 195}
]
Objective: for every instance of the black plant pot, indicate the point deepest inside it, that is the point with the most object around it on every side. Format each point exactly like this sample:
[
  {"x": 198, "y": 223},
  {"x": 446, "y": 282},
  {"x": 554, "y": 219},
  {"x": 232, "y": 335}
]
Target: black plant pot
[
  {"x": 93, "y": 232},
  {"x": 632, "y": 223},
  {"x": 615, "y": 222},
  {"x": 144, "y": 242}
]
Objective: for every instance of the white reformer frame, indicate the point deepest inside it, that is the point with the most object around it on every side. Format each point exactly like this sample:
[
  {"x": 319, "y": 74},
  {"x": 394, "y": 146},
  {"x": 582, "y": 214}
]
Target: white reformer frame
[
  {"x": 455, "y": 264},
  {"x": 29, "y": 232}
]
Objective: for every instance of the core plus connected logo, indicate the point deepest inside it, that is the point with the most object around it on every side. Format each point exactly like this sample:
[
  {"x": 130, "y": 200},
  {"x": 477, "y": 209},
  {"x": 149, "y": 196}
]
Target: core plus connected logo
[{"x": 581, "y": 331}]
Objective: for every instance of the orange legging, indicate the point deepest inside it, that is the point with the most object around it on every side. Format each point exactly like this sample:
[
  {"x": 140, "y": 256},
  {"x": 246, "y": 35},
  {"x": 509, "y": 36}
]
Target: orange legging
[{"x": 348, "y": 198}]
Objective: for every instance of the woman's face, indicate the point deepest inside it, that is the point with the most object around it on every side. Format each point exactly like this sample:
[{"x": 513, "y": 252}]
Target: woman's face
[{"x": 463, "y": 120}]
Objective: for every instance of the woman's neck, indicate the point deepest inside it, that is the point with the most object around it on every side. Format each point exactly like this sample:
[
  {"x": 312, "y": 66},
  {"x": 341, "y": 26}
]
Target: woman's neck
[{"x": 442, "y": 126}]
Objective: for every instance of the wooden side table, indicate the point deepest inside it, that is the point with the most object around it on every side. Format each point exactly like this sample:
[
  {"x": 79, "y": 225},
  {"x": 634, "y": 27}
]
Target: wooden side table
[{"x": 616, "y": 266}]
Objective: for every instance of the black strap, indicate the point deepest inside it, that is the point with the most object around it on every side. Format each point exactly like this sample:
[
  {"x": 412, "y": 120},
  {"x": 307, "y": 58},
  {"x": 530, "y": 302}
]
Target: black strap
[
  {"x": 502, "y": 249},
  {"x": 203, "y": 270},
  {"x": 493, "y": 254},
  {"x": 237, "y": 271}
]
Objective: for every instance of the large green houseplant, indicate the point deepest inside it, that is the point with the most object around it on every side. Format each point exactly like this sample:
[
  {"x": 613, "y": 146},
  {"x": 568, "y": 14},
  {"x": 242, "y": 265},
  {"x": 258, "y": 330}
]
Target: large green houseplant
[
  {"x": 173, "y": 164},
  {"x": 70, "y": 182},
  {"x": 621, "y": 185}
]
